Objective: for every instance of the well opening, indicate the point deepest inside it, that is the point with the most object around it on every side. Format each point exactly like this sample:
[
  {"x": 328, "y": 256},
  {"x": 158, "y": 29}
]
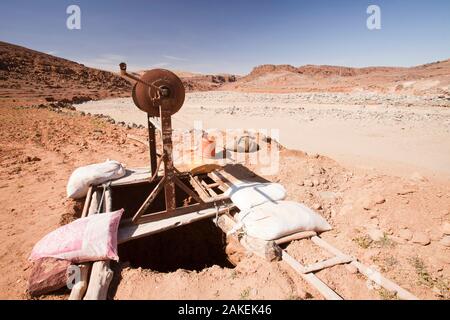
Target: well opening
[
  {"x": 130, "y": 197},
  {"x": 192, "y": 247}
]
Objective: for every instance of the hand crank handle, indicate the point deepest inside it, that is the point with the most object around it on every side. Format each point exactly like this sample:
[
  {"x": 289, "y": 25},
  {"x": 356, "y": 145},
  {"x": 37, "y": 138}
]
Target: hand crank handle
[{"x": 123, "y": 72}]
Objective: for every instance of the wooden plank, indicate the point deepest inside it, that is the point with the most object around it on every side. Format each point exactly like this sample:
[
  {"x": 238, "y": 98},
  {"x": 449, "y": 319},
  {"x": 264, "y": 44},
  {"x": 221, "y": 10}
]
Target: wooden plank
[
  {"x": 101, "y": 274},
  {"x": 311, "y": 278},
  {"x": 328, "y": 247},
  {"x": 227, "y": 223},
  {"x": 373, "y": 275},
  {"x": 87, "y": 202},
  {"x": 296, "y": 236},
  {"x": 211, "y": 191},
  {"x": 326, "y": 264},
  {"x": 131, "y": 232},
  {"x": 199, "y": 188},
  {"x": 79, "y": 289},
  {"x": 134, "y": 176},
  {"x": 95, "y": 202},
  {"x": 151, "y": 197},
  {"x": 221, "y": 184},
  {"x": 376, "y": 277},
  {"x": 219, "y": 176}
]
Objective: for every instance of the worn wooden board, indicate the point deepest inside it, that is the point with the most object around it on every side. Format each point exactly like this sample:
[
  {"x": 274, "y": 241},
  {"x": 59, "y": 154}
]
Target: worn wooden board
[{"x": 131, "y": 232}]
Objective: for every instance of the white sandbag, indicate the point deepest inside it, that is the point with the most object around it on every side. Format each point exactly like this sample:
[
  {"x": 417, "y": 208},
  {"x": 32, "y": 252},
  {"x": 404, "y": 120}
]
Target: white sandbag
[
  {"x": 93, "y": 174},
  {"x": 247, "y": 195},
  {"x": 270, "y": 221}
]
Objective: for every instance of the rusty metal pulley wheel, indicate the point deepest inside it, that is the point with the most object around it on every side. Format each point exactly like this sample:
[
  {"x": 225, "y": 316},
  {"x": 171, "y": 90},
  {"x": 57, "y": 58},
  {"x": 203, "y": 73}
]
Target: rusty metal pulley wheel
[{"x": 166, "y": 90}]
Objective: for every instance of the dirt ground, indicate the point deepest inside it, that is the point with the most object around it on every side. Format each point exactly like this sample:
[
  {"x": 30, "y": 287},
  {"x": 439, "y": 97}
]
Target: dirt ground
[{"x": 397, "y": 224}]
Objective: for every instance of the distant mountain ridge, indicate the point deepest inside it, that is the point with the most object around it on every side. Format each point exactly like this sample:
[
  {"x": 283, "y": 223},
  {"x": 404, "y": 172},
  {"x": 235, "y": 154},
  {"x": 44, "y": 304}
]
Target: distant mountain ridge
[{"x": 431, "y": 78}]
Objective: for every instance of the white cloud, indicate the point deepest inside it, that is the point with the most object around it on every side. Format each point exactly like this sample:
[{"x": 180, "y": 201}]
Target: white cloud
[{"x": 174, "y": 58}]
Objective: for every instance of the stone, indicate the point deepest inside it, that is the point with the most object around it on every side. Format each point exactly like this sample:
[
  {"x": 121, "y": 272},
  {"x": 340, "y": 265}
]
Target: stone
[
  {"x": 398, "y": 240},
  {"x": 379, "y": 200},
  {"x": 421, "y": 238},
  {"x": 370, "y": 202},
  {"x": 375, "y": 234},
  {"x": 445, "y": 241},
  {"x": 446, "y": 228},
  {"x": 317, "y": 206},
  {"x": 316, "y": 182},
  {"x": 307, "y": 183},
  {"x": 405, "y": 234},
  {"x": 47, "y": 275}
]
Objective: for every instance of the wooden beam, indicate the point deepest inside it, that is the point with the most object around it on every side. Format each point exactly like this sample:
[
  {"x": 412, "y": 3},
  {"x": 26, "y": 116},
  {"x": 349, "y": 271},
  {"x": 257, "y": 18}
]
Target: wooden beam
[
  {"x": 311, "y": 278},
  {"x": 373, "y": 275},
  {"x": 327, "y": 264},
  {"x": 131, "y": 232},
  {"x": 227, "y": 223},
  {"x": 101, "y": 274},
  {"x": 87, "y": 202},
  {"x": 199, "y": 188},
  {"x": 149, "y": 200},
  {"x": 296, "y": 236},
  {"x": 376, "y": 277},
  {"x": 101, "y": 277},
  {"x": 79, "y": 289}
]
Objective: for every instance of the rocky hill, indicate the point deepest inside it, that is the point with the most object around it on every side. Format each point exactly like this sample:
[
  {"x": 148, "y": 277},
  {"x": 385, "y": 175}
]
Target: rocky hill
[
  {"x": 31, "y": 76},
  {"x": 428, "y": 79}
]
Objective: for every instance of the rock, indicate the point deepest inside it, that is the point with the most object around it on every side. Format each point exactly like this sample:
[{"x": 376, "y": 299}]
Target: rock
[
  {"x": 328, "y": 195},
  {"x": 31, "y": 159},
  {"x": 371, "y": 201},
  {"x": 317, "y": 206},
  {"x": 373, "y": 215},
  {"x": 421, "y": 238},
  {"x": 316, "y": 182},
  {"x": 445, "y": 241},
  {"x": 398, "y": 240},
  {"x": 405, "y": 234},
  {"x": 307, "y": 183},
  {"x": 375, "y": 234},
  {"x": 351, "y": 268},
  {"x": 47, "y": 275},
  {"x": 435, "y": 235},
  {"x": 446, "y": 228},
  {"x": 379, "y": 200}
]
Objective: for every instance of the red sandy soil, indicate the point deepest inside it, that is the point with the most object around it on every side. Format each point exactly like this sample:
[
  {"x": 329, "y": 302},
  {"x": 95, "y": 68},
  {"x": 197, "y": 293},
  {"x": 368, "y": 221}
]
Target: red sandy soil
[{"x": 39, "y": 150}]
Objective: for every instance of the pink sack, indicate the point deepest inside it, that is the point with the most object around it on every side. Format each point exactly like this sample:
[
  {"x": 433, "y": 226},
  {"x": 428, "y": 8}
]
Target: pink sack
[{"x": 87, "y": 239}]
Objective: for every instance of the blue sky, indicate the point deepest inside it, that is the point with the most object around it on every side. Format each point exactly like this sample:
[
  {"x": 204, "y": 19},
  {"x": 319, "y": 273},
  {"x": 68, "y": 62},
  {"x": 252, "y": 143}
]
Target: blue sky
[{"x": 232, "y": 36}]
